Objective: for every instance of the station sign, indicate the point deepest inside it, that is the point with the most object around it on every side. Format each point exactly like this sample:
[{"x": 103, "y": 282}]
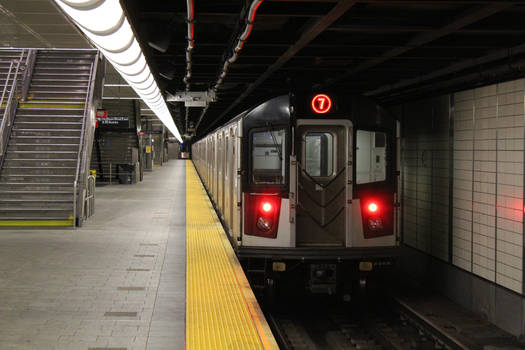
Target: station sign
[
  {"x": 114, "y": 121},
  {"x": 102, "y": 114},
  {"x": 321, "y": 104}
]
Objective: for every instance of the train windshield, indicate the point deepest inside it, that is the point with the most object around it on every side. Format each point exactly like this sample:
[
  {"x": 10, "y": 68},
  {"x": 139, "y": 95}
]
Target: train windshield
[
  {"x": 268, "y": 163},
  {"x": 371, "y": 156}
]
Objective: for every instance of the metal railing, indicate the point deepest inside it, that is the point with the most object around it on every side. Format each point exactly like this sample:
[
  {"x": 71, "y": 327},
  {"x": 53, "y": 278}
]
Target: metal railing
[
  {"x": 81, "y": 142},
  {"x": 89, "y": 206},
  {"x": 9, "y": 106}
]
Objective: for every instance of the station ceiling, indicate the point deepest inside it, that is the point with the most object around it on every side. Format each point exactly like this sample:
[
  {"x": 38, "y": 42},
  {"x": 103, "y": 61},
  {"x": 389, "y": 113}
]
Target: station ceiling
[
  {"x": 392, "y": 50},
  {"x": 389, "y": 49}
]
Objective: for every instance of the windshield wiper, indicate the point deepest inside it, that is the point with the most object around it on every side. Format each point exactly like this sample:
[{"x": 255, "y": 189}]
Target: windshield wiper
[{"x": 279, "y": 151}]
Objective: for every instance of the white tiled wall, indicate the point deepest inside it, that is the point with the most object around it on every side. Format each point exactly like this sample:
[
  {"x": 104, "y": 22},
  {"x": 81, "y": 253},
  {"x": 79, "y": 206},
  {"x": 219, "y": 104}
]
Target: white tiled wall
[
  {"x": 409, "y": 208},
  {"x": 484, "y": 195},
  {"x": 440, "y": 178},
  {"x": 487, "y": 173},
  {"x": 509, "y": 188},
  {"x": 462, "y": 194},
  {"x": 426, "y": 176}
]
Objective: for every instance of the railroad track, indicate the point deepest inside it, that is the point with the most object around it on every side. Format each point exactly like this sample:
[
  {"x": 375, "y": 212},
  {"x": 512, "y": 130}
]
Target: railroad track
[{"x": 366, "y": 326}]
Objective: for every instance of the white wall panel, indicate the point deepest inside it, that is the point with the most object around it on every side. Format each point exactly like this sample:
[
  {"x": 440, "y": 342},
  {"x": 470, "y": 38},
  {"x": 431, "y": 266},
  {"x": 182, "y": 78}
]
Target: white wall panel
[
  {"x": 484, "y": 195},
  {"x": 463, "y": 170},
  {"x": 509, "y": 189}
]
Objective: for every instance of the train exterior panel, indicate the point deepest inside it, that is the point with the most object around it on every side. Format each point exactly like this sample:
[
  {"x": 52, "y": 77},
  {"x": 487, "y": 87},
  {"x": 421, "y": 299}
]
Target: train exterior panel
[{"x": 308, "y": 178}]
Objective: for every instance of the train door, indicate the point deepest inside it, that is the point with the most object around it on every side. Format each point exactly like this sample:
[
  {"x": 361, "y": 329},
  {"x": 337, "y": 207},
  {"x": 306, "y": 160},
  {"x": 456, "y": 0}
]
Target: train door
[
  {"x": 226, "y": 196},
  {"x": 231, "y": 173},
  {"x": 323, "y": 182},
  {"x": 223, "y": 171},
  {"x": 220, "y": 172}
]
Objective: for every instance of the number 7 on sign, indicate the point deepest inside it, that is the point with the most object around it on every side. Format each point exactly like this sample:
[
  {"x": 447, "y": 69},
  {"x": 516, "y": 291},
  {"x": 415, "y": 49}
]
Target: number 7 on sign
[{"x": 321, "y": 103}]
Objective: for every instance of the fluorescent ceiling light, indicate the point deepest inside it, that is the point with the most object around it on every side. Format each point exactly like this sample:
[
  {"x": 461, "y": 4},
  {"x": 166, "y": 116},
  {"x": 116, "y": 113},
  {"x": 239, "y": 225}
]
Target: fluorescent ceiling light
[{"x": 105, "y": 24}]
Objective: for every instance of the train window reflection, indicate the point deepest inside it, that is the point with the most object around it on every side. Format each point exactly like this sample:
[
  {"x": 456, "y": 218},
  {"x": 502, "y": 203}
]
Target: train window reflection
[
  {"x": 268, "y": 157},
  {"x": 319, "y": 149},
  {"x": 371, "y": 156}
]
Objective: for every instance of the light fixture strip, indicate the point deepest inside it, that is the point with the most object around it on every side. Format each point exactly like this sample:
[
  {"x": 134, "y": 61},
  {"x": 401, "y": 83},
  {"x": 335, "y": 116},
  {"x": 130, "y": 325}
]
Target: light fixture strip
[{"x": 105, "y": 24}]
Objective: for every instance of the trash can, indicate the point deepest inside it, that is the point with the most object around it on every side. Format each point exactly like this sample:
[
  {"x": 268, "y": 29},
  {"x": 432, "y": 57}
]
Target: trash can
[{"x": 125, "y": 173}]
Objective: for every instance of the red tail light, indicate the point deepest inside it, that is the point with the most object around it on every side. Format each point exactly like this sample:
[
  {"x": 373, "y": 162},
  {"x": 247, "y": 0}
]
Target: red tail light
[
  {"x": 266, "y": 207},
  {"x": 261, "y": 214},
  {"x": 373, "y": 211}
]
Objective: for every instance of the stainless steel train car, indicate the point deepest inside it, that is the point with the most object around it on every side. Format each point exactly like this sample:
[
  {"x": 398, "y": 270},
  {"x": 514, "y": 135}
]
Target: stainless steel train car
[{"x": 307, "y": 185}]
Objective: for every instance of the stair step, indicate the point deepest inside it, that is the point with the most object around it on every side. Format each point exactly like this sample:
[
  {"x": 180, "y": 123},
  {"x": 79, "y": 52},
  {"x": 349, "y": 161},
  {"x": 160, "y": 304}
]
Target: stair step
[
  {"x": 35, "y": 221},
  {"x": 46, "y": 137},
  {"x": 28, "y": 192},
  {"x": 70, "y": 85},
  {"x": 40, "y": 152},
  {"x": 61, "y": 130},
  {"x": 59, "y": 72},
  {"x": 36, "y": 183},
  {"x": 46, "y": 123},
  {"x": 43, "y": 144},
  {"x": 58, "y": 89},
  {"x": 63, "y": 66},
  {"x": 36, "y": 175},
  {"x": 84, "y": 62},
  {"x": 35, "y": 200},
  {"x": 44, "y": 147},
  {"x": 60, "y": 80},
  {"x": 50, "y": 115},
  {"x": 55, "y": 112},
  {"x": 21, "y": 208},
  {"x": 41, "y": 160},
  {"x": 58, "y": 95}
]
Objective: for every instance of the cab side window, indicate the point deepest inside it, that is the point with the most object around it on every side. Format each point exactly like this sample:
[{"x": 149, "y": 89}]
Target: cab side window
[
  {"x": 268, "y": 163},
  {"x": 370, "y": 156}
]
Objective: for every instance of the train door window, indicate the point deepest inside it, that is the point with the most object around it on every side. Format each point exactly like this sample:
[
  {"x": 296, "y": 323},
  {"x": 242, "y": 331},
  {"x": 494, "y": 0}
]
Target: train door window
[
  {"x": 319, "y": 154},
  {"x": 371, "y": 156},
  {"x": 268, "y": 163}
]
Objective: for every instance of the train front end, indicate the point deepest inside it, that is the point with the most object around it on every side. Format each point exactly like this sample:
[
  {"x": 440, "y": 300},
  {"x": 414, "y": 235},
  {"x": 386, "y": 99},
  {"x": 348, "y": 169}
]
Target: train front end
[{"x": 320, "y": 182}]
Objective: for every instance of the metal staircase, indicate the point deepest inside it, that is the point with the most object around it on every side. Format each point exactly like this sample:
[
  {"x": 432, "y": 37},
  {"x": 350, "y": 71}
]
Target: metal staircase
[{"x": 43, "y": 173}]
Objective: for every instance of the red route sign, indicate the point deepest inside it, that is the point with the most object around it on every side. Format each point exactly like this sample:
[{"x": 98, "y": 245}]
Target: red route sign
[
  {"x": 321, "y": 103},
  {"x": 102, "y": 114}
]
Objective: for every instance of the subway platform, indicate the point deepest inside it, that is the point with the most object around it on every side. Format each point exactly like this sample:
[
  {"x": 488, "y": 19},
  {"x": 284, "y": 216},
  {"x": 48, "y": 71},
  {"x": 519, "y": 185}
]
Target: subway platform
[{"x": 152, "y": 269}]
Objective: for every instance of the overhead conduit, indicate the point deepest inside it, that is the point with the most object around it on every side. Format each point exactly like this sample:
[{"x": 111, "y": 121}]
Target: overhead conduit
[
  {"x": 106, "y": 25},
  {"x": 190, "y": 19},
  {"x": 250, "y": 17}
]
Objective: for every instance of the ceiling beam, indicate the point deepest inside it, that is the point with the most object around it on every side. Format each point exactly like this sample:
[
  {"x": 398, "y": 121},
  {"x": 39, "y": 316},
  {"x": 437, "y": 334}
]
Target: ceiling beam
[
  {"x": 417, "y": 29},
  {"x": 421, "y": 39},
  {"x": 308, "y": 36},
  {"x": 412, "y": 2},
  {"x": 454, "y": 68}
]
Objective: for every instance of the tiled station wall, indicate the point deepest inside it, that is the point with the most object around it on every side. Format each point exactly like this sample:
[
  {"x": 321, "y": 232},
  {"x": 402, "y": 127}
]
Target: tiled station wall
[{"x": 462, "y": 180}]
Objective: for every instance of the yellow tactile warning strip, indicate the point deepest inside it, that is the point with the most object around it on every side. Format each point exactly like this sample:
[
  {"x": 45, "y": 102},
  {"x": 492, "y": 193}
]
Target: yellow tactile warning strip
[
  {"x": 221, "y": 310},
  {"x": 54, "y": 104},
  {"x": 37, "y": 223}
]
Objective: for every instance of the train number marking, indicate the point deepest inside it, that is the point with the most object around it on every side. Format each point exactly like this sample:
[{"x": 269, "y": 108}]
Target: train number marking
[{"x": 321, "y": 103}]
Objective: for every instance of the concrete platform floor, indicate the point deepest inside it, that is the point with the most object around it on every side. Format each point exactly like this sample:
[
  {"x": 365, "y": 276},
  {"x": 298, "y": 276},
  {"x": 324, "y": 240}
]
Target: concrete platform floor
[{"x": 118, "y": 282}]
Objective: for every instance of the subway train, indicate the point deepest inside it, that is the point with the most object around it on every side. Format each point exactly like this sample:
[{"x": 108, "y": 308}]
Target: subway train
[{"x": 307, "y": 186}]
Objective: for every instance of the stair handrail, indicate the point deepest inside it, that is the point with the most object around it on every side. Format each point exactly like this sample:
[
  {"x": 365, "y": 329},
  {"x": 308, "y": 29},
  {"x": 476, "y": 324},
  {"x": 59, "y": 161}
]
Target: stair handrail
[
  {"x": 81, "y": 144},
  {"x": 2, "y": 125},
  {"x": 9, "y": 111},
  {"x": 90, "y": 198}
]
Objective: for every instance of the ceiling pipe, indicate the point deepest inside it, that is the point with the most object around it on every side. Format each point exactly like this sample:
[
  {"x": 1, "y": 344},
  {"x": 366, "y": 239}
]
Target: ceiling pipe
[
  {"x": 190, "y": 19},
  {"x": 239, "y": 44}
]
